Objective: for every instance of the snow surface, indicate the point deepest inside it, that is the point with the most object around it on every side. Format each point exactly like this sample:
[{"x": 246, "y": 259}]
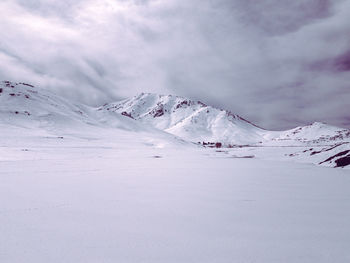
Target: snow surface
[
  {"x": 122, "y": 197},
  {"x": 79, "y": 184}
]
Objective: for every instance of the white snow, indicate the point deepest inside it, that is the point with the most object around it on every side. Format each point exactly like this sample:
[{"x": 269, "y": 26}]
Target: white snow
[
  {"x": 106, "y": 198},
  {"x": 79, "y": 184}
]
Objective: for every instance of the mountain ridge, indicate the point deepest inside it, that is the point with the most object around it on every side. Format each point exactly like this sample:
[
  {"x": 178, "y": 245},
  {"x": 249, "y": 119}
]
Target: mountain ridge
[
  {"x": 189, "y": 119},
  {"x": 168, "y": 119},
  {"x": 197, "y": 122}
]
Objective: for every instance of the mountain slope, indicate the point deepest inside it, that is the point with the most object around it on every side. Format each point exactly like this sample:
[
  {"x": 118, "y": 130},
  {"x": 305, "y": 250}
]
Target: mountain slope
[
  {"x": 23, "y": 104},
  {"x": 198, "y": 122},
  {"x": 316, "y": 132},
  {"x": 32, "y": 108},
  {"x": 188, "y": 119}
]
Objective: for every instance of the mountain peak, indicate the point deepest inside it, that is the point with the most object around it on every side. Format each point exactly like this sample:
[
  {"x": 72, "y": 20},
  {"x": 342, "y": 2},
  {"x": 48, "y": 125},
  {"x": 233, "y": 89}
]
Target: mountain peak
[
  {"x": 318, "y": 124},
  {"x": 190, "y": 119},
  {"x": 165, "y": 98},
  {"x": 197, "y": 122}
]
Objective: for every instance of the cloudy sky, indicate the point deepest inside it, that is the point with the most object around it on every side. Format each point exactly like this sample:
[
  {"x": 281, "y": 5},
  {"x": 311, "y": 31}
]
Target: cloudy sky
[{"x": 278, "y": 63}]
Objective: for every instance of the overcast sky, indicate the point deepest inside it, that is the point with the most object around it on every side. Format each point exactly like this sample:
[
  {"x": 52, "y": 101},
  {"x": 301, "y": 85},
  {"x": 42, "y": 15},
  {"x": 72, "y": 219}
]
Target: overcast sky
[{"x": 278, "y": 63}]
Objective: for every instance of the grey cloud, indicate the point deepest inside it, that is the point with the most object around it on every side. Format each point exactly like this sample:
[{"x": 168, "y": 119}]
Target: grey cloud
[{"x": 278, "y": 63}]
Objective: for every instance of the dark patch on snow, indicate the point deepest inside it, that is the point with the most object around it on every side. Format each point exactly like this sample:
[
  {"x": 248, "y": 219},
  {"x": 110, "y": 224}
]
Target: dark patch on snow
[
  {"x": 326, "y": 150},
  {"x": 342, "y": 162},
  {"x": 157, "y": 156},
  {"x": 182, "y": 104},
  {"x": 9, "y": 84},
  {"x": 124, "y": 113},
  {"x": 158, "y": 112},
  {"x": 187, "y": 103},
  {"x": 230, "y": 114},
  {"x": 296, "y": 131},
  {"x": 335, "y": 156},
  {"x": 315, "y": 152},
  {"x": 202, "y": 104},
  {"x": 26, "y": 84},
  {"x": 308, "y": 150},
  {"x": 212, "y": 144},
  {"x": 25, "y": 113},
  {"x": 243, "y": 157}
]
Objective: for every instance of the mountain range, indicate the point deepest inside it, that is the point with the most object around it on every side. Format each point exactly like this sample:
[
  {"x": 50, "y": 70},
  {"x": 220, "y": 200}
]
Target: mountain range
[
  {"x": 173, "y": 119},
  {"x": 197, "y": 122}
]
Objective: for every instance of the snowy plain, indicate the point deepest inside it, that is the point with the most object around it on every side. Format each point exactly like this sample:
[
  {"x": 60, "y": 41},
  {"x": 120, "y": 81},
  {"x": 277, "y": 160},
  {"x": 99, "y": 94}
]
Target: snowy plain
[
  {"x": 76, "y": 186},
  {"x": 131, "y": 198}
]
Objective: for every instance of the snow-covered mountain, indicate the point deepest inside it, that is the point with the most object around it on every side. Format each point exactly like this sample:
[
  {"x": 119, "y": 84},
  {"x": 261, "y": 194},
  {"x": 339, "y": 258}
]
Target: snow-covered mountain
[
  {"x": 315, "y": 133},
  {"x": 198, "y": 122},
  {"x": 28, "y": 106},
  {"x": 154, "y": 119},
  {"x": 33, "y": 108},
  {"x": 24, "y": 104},
  {"x": 191, "y": 120}
]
